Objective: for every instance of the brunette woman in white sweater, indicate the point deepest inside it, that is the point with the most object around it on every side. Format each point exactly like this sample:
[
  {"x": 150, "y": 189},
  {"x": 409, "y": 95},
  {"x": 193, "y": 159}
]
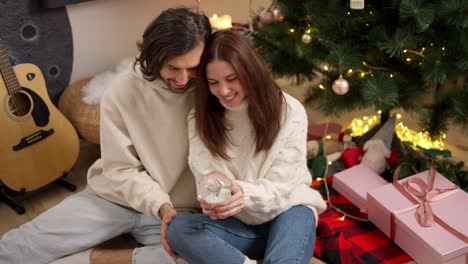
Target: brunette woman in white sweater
[{"x": 246, "y": 128}]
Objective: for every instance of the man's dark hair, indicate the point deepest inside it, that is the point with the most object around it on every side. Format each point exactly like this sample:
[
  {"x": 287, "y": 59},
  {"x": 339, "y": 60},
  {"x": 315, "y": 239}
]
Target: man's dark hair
[{"x": 174, "y": 32}]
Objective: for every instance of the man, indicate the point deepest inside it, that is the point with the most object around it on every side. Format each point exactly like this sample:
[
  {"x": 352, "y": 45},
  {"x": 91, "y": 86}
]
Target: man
[{"x": 142, "y": 175}]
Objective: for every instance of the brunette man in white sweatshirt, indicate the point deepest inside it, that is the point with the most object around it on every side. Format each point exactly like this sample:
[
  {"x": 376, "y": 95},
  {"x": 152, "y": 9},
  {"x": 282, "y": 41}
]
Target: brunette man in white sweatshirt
[{"x": 142, "y": 176}]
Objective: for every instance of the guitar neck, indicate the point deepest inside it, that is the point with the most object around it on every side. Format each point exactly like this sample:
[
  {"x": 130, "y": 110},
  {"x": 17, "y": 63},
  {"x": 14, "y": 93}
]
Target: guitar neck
[{"x": 7, "y": 72}]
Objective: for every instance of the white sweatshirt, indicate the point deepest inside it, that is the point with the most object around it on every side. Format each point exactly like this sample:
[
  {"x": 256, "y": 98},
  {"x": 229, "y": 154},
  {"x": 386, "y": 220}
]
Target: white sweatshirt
[
  {"x": 144, "y": 146},
  {"x": 272, "y": 181}
]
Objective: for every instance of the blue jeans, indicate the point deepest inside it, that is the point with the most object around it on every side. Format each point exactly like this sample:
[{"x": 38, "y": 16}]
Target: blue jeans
[{"x": 288, "y": 238}]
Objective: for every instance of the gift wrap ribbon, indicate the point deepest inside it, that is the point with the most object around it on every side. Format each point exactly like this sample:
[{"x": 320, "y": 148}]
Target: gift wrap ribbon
[{"x": 425, "y": 194}]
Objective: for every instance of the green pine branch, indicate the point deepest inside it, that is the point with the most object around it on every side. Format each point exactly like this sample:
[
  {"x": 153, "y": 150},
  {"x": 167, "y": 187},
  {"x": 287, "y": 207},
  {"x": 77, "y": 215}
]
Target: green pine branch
[{"x": 391, "y": 53}]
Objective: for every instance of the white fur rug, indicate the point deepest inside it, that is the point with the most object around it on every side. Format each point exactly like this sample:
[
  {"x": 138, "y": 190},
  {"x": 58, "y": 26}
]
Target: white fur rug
[{"x": 93, "y": 91}]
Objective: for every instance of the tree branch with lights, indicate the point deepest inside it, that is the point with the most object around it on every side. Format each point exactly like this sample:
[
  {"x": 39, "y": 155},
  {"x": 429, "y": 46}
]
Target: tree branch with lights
[{"x": 385, "y": 54}]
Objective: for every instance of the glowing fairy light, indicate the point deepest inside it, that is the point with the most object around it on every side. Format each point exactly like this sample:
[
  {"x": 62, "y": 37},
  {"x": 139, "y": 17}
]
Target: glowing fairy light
[{"x": 360, "y": 126}]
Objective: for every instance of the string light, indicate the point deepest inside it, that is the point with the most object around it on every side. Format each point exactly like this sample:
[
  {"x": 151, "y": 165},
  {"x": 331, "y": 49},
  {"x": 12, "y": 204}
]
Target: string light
[
  {"x": 360, "y": 126},
  {"x": 327, "y": 192},
  {"x": 374, "y": 67},
  {"x": 419, "y": 53},
  {"x": 419, "y": 139}
]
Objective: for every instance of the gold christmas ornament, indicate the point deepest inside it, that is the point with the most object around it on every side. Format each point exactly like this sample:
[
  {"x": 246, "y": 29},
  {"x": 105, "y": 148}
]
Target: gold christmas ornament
[
  {"x": 306, "y": 38},
  {"x": 266, "y": 17},
  {"x": 340, "y": 86},
  {"x": 356, "y": 4}
]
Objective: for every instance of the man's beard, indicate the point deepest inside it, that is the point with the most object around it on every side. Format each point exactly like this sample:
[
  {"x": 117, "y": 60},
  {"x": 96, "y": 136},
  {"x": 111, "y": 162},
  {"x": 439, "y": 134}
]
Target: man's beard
[{"x": 169, "y": 83}]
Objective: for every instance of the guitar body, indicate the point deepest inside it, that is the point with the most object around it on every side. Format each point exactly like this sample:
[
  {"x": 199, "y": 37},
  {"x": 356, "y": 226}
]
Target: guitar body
[{"x": 37, "y": 143}]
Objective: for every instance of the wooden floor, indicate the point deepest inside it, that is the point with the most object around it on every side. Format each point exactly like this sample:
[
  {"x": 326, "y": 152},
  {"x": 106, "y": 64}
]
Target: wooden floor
[{"x": 38, "y": 201}]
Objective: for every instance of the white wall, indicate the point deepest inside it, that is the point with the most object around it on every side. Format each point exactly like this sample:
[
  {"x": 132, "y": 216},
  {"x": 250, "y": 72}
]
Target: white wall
[{"x": 105, "y": 31}]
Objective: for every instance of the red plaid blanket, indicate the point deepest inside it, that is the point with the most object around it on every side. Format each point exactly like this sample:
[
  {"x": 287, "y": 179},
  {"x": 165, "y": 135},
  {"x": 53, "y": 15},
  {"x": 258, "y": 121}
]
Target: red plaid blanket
[{"x": 345, "y": 240}]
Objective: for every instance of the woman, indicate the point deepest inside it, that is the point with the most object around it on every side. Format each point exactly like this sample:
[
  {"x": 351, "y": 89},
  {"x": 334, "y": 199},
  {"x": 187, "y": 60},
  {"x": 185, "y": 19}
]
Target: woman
[{"x": 244, "y": 127}]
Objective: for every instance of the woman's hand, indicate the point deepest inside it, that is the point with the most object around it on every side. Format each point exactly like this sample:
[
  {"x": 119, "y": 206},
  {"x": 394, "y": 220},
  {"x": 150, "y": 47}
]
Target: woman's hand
[{"x": 231, "y": 206}]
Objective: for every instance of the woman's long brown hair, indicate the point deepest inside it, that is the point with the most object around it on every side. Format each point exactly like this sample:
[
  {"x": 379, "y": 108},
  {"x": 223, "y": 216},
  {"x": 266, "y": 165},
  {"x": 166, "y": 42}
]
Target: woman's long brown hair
[{"x": 263, "y": 95}]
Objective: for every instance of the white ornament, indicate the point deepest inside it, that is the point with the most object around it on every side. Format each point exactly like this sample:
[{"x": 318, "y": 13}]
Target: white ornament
[
  {"x": 276, "y": 14},
  {"x": 214, "y": 187},
  {"x": 356, "y": 4},
  {"x": 266, "y": 17},
  {"x": 306, "y": 38},
  {"x": 340, "y": 86}
]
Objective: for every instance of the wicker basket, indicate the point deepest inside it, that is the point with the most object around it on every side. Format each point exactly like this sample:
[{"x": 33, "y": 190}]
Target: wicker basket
[{"x": 84, "y": 117}]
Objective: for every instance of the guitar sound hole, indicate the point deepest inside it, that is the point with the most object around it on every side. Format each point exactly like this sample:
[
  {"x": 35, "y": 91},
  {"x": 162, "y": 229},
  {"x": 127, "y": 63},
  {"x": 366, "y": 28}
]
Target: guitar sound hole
[{"x": 19, "y": 104}]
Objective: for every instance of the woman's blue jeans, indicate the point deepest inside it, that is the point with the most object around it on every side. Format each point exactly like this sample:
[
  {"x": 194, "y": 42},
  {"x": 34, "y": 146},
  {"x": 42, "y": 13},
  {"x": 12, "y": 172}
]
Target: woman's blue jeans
[{"x": 288, "y": 238}]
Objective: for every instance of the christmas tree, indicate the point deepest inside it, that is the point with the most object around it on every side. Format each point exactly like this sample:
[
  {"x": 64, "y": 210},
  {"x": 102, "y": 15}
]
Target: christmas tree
[{"x": 409, "y": 54}]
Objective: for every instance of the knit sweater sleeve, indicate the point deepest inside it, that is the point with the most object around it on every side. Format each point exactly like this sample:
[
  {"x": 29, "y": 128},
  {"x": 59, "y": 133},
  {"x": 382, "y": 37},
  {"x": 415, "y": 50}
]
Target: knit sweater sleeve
[
  {"x": 283, "y": 173},
  {"x": 129, "y": 179}
]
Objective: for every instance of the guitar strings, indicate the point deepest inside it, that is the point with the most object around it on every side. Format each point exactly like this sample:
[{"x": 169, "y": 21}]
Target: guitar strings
[
  {"x": 6, "y": 64},
  {"x": 9, "y": 81}
]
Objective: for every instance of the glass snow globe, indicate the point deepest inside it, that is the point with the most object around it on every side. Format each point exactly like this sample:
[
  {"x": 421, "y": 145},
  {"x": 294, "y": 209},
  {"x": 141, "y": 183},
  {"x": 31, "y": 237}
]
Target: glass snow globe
[{"x": 215, "y": 187}]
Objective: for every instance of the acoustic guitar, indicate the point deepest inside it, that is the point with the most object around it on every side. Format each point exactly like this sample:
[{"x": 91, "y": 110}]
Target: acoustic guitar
[{"x": 37, "y": 143}]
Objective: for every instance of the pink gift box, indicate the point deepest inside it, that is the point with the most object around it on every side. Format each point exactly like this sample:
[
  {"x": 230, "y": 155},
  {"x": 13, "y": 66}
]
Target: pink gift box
[
  {"x": 435, "y": 244},
  {"x": 355, "y": 182}
]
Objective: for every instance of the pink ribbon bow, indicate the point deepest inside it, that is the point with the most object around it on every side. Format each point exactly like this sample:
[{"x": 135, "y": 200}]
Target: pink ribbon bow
[{"x": 426, "y": 194}]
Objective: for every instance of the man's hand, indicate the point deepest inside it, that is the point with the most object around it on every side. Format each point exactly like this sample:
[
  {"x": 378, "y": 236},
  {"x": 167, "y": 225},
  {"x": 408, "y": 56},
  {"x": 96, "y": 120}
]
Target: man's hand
[
  {"x": 167, "y": 213},
  {"x": 232, "y": 206}
]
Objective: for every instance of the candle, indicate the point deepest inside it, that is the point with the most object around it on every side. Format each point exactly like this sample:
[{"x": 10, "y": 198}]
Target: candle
[{"x": 222, "y": 22}]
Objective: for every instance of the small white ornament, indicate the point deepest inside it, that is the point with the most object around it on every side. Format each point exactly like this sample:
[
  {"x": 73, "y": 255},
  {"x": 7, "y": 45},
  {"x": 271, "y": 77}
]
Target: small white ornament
[
  {"x": 266, "y": 17},
  {"x": 356, "y": 4},
  {"x": 214, "y": 187},
  {"x": 276, "y": 14},
  {"x": 340, "y": 86},
  {"x": 306, "y": 38}
]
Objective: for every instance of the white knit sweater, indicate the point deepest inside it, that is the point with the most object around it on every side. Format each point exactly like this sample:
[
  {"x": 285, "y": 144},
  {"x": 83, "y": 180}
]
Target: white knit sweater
[
  {"x": 144, "y": 146},
  {"x": 272, "y": 181}
]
